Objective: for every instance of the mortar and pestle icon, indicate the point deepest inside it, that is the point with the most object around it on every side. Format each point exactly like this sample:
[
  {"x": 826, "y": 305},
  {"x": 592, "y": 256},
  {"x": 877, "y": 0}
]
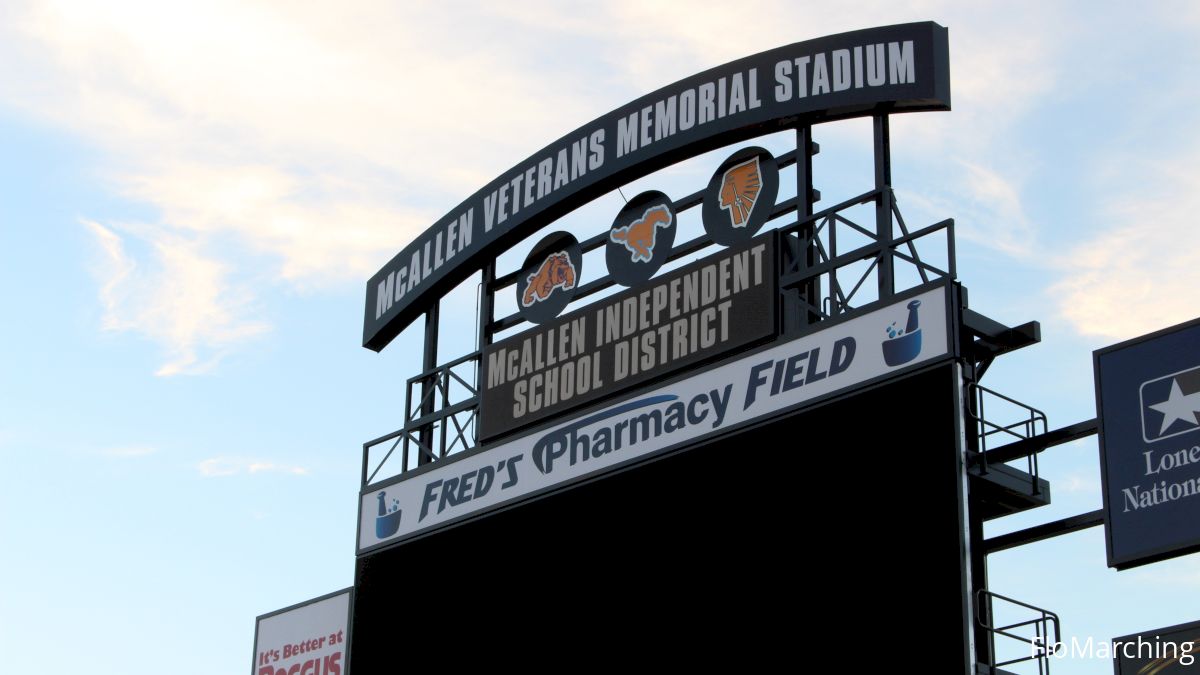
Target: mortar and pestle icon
[
  {"x": 903, "y": 345},
  {"x": 388, "y": 520}
]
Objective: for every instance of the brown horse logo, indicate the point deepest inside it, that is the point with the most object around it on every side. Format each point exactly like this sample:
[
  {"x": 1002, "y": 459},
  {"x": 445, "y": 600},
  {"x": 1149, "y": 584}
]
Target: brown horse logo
[
  {"x": 640, "y": 235},
  {"x": 556, "y": 271},
  {"x": 739, "y": 191}
]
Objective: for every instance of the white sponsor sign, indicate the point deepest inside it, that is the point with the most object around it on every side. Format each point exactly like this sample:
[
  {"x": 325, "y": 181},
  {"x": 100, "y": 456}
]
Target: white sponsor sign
[
  {"x": 308, "y": 639},
  {"x": 906, "y": 333}
]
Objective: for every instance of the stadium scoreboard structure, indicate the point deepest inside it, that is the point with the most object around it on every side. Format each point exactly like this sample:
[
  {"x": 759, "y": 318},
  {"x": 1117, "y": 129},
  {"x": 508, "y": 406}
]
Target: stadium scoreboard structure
[{"x": 676, "y": 459}]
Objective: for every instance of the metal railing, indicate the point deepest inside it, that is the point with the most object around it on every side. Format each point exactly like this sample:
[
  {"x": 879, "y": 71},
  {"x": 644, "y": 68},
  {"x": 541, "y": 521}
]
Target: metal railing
[
  {"x": 1038, "y": 635},
  {"x": 1028, "y": 422},
  {"x": 439, "y": 420},
  {"x": 840, "y": 276}
]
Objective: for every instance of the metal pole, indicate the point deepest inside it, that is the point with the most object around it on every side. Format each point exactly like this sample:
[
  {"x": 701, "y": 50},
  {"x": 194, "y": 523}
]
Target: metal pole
[
  {"x": 883, "y": 208},
  {"x": 805, "y": 196},
  {"x": 486, "y": 311},
  {"x": 486, "y": 304},
  {"x": 429, "y": 362},
  {"x": 970, "y": 527}
]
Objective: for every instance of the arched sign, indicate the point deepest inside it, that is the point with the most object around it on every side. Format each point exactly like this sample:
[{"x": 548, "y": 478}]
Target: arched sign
[{"x": 889, "y": 69}]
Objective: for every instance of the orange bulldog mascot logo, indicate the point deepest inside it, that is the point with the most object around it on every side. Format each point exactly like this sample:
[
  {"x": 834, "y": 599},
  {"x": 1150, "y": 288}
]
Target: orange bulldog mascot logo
[
  {"x": 739, "y": 191},
  {"x": 556, "y": 271},
  {"x": 640, "y": 236}
]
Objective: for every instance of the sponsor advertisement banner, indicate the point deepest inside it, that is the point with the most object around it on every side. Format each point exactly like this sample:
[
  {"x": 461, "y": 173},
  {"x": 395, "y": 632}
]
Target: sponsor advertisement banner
[
  {"x": 1148, "y": 398},
  {"x": 309, "y": 638},
  {"x": 781, "y": 377}
]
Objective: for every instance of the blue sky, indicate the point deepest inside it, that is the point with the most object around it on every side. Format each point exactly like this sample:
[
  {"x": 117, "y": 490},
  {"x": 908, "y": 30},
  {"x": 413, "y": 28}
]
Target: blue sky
[{"x": 194, "y": 196}]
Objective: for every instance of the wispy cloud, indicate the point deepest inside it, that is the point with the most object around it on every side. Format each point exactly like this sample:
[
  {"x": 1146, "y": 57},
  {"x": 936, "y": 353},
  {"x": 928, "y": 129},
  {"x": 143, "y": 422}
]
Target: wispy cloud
[
  {"x": 216, "y": 467},
  {"x": 986, "y": 204},
  {"x": 1140, "y": 270},
  {"x": 303, "y": 144},
  {"x": 275, "y": 143},
  {"x": 178, "y": 296}
]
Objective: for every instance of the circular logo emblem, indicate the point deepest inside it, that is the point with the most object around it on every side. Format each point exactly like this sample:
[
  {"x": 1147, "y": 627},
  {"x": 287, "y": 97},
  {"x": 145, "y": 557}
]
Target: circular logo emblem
[
  {"x": 640, "y": 238},
  {"x": 549, "y": 278},
  {"x": 741, "y": 196}
]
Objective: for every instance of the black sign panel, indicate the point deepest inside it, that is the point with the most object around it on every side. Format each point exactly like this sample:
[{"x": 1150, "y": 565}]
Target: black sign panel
[
  {"x": 893, "y": 68},
  {"x": 1148, "y": 399},
  {"x": 1165, "y": 651},
  {"x": 697, "y": 312}
]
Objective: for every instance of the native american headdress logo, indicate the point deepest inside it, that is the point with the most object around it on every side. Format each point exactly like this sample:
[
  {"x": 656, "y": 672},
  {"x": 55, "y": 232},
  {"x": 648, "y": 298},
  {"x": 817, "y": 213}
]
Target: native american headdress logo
[
  {"x": 739, "y": 191},
  {"x": 641, "y": 235},
  {"x": 556, "y": 271}
]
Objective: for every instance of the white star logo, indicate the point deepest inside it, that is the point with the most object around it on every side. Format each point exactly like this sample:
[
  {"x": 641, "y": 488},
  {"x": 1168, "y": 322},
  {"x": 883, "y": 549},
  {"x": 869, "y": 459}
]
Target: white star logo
[{"x": 1178, "y": 407}]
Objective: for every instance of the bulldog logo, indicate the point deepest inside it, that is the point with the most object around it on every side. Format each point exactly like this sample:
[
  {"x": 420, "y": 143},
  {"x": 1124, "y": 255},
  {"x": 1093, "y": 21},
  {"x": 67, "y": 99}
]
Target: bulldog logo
[
  {"x": 556, "y": 271},
  {"x": 739, "y": 191},
  {"x": 641, "y": 235}
]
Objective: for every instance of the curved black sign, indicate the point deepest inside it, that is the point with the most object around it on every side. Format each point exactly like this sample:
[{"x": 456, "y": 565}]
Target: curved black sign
[{"x": 889, "y": 69}]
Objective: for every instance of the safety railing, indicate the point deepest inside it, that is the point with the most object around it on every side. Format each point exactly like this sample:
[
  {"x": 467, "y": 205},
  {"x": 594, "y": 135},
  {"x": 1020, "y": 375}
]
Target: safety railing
[
  {"x": 1026, "y": 422},
  {"x": 439, "y": 420},
  {"x": 1030, "y": 637},
  {"x": 829, "y": 256}
]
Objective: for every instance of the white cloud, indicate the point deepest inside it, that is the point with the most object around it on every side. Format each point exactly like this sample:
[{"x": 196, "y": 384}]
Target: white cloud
[
  {"x": 295, "y": 142},
  {"x": 986, "y": 204},
  {"x": 216, "y": 467},
  {"x": 320, "y": 229},
  {"x": 1140, "y": 271},
  {"x": 182, "y": 299},
  {"x": 305, "y": 143}
]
